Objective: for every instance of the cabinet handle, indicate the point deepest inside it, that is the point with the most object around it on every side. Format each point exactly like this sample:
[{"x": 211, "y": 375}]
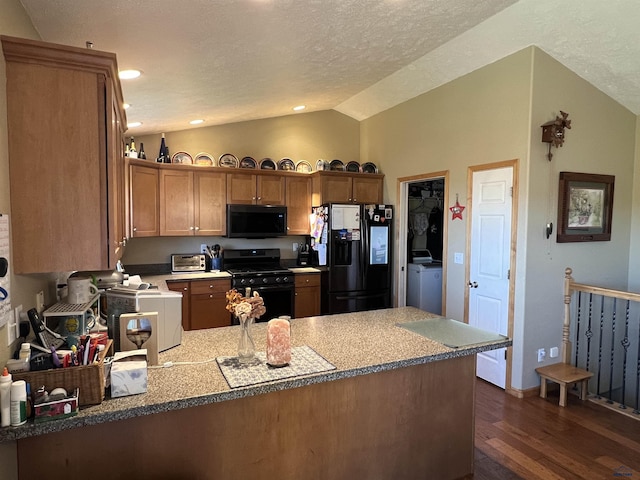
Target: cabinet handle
[
  {"x": 184, "y": 288},
  {"x": 190, "y": 228},
  {"x": 355, "y": 200},
  {"x": 253, "y": 198},
  {"x": 135, "y": 229},
  {"x": 259, "y": 198},
  {"x": 197, "y": 228},
  {"x": 210, "y": 296}
]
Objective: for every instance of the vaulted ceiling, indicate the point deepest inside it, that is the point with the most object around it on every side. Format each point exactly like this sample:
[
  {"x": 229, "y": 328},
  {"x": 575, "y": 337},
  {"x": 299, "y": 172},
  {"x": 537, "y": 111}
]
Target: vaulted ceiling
[{"x": 226, "y": 61}]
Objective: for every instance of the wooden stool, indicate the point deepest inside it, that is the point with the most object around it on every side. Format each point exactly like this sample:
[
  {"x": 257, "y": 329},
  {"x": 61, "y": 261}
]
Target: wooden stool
[{"x": 563, "y": 374}]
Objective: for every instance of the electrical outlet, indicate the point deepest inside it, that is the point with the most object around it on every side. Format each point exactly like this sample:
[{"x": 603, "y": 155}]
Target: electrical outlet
[
  {"x": 541, "y": 354},
  {"x": 40, "y": 301},
  {"x": 553, "y": 352},
  {"x": 295, "y": 247},
  {"x": 203, "y": 248},
  {"x": 458, "y": 258}
]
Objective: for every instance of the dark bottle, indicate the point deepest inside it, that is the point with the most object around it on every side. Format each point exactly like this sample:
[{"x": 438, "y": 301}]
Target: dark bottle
[
  {"x": 167, "y": 157},
  {"x": 162, "y": 153},
  {"x": 141, "y": 153}
]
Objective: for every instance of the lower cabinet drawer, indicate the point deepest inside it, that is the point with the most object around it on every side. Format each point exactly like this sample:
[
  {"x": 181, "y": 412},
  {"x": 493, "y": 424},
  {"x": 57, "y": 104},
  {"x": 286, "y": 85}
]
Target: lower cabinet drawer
[{"x": 208, "y": 286}]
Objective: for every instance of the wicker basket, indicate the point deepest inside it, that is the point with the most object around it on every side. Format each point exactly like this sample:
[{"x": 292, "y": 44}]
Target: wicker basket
[{"x": 88, "y": 378}]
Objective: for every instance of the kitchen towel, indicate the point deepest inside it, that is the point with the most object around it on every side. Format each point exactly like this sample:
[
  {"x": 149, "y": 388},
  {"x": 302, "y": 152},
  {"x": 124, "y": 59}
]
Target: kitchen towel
[{"x": 304, "y": 361}]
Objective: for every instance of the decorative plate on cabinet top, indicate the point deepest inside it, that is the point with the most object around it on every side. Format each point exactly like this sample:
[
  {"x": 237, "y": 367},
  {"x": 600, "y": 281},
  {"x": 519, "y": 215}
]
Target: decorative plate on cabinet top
[
  {"x": 304, "y": 167},
  {"x": 182, "y": 157},
  {"x": 248, "y": 162},
  {"x": 268, "y": 164},
  {"x": 369, "y": 167},
  {"x": 322, "y": 165},
  {"x": 352, "y": 167},
  {"x": 228, "y": 160},
  {"x": 287, "y": 165},
  {"x": 336, "y": 166},
  {"x": 203, "y": 158}
]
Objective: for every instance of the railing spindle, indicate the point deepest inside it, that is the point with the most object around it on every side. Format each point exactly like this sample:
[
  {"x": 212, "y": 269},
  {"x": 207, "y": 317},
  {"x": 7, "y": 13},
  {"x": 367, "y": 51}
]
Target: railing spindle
[
  {"x": 611, "y": 355},
  {"x": 625, "y": 344}
]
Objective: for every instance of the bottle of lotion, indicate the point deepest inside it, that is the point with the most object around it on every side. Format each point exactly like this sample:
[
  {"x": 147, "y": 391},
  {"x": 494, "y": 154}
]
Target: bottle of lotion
[
  {"x": 18, "y": 403},
  {"x": 5, "y": 398}
]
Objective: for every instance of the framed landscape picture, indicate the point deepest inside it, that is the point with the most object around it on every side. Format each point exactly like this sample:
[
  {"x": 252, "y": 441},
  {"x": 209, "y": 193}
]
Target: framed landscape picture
[{"x": 585, "y": 206}]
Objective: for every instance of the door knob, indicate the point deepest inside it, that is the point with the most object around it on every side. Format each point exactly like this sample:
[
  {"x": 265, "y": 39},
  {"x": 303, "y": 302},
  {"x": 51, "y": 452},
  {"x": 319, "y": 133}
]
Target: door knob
[{"x": 473, "y": 285}]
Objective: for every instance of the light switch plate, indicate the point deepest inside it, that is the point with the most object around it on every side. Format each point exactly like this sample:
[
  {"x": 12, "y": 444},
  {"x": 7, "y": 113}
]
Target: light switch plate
[{"x": 458, "y": 258}]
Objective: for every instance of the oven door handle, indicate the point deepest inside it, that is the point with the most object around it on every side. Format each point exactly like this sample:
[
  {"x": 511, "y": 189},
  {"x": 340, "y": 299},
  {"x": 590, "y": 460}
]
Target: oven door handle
[{"x": 271, "y": 288}]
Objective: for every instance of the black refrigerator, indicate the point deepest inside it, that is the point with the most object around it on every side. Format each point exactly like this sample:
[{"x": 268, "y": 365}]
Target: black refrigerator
[{"x": 356, "y": 248}]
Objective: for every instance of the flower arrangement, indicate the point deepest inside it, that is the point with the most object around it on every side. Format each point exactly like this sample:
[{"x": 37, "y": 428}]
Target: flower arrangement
[{"x": 242, "y": 307}]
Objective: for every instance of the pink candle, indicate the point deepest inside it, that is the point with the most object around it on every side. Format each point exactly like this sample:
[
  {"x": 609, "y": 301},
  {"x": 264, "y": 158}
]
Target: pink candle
[{"x": 278, "y": 342}]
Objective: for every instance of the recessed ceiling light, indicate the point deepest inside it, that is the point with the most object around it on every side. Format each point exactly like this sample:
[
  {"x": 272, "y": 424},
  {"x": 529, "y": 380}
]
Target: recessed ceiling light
[
  {"x": 196, "y": 122},
  {"x": 299, "y": 107},
  {"x": 134, "y": 124},
  {"x": 129, "y": 74},
  {"x": 126, "y": 105}
]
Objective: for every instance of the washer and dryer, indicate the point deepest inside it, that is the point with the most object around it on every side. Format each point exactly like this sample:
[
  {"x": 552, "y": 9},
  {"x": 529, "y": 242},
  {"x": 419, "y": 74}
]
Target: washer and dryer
[{"x": 424, "y": 283}]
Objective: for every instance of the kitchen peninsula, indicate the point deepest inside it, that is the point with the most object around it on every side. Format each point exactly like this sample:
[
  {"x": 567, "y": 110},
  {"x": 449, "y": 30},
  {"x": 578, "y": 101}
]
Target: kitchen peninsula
[{"x": 397, "y": 405}]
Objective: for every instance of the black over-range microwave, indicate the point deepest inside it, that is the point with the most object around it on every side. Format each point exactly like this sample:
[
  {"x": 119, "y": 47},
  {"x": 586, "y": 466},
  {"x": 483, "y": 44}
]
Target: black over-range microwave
[{"x": 256, "y": 221}]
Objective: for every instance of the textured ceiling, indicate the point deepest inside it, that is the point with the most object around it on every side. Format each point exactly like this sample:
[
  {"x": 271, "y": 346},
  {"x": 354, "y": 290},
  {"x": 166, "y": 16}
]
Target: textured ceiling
[{"x": 234, "y": 60}]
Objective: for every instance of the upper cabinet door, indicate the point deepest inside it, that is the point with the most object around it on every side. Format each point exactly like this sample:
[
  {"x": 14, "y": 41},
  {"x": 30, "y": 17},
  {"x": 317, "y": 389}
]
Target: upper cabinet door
[
  {"x": 241, "y": 189},
  {"x": 298, "y": 205},
  {"x": 210, "y": 203},
  {"x": 145, "y": 208},
  {"x": 60, "y": 156},
  {"x": 271, "y": 190},
  {"x": 176, "y": 203},
  {"x": 366, "y": 189}
]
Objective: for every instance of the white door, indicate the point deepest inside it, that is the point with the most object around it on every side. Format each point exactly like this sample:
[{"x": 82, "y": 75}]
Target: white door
[{"x": 489, "y": 264}]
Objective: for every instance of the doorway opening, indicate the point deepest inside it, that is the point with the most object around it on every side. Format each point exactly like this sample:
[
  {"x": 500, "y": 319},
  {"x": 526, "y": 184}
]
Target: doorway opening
[{"x": 422, "y": 242}]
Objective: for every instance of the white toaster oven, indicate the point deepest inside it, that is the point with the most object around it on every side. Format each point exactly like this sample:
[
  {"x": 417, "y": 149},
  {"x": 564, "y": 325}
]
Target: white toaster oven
[{"x": 185, "y": 263}]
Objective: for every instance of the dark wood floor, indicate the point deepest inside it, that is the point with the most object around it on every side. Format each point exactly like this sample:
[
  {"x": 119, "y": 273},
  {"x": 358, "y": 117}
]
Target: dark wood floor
[{"x": 534, "y": 438}]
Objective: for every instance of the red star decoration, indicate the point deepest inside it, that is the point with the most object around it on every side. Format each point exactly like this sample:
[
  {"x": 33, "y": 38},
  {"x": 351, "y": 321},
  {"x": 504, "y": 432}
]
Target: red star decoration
[{"x": 456, "y": 210}]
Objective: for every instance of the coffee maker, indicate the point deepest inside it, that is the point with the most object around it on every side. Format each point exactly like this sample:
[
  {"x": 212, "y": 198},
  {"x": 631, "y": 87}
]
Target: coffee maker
[{"x": 307, "y": 257}]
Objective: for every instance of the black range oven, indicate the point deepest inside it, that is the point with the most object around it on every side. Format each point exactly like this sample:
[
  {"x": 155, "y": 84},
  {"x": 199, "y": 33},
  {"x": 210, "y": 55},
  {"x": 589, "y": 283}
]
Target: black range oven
[{"x": 260, "y": 269}]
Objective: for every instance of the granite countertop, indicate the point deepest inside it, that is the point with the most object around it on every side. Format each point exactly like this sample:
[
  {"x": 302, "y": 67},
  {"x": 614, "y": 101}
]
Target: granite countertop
[{"x": 356, "y": 343}]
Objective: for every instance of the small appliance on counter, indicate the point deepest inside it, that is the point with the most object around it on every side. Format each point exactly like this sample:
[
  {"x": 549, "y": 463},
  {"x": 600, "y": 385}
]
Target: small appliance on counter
[
  {"x": 188, "y": 263},
  {"x": 307, "y": 257},
  {"x": 167, "y": 304}
]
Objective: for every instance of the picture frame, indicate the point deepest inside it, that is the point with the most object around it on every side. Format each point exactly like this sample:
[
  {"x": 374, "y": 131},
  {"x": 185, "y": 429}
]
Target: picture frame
[{"x": 585, "y": 207}]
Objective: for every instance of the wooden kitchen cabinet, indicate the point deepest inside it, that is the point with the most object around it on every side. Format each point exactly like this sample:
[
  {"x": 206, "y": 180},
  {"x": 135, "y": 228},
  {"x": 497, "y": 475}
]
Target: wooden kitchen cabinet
[
  {"x": 307, "y": 295},
  {"x": 145, "y": 219},
  {"x": 208, "y": 302},
  {"x": 342, "y": 187},
  {"x": 298, "y": 195},
  {"x": 256, "y": 189},
  {"x": 65, "y": 125},
  {"x": 185, "y": 290},
  {"x": 192, "y": 203}
]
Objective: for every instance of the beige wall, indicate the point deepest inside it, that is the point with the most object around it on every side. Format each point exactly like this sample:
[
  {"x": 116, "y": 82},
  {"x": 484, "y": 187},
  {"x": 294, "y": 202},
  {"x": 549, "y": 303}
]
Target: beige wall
[
  {"x": 478, "y": 119},
  {"x": 601, "y": 141},
  {"x": 634, "y": 241},
  {"x": 304, "y": 136},
  {"x": 14, "y": 22},
  {"x": 494, "y": 114}
]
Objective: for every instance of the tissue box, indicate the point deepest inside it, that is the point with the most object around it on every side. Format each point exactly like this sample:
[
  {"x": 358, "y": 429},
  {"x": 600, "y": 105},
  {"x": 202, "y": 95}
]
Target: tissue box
[
  {"x": 129, "y": 373},
  {"x": 67, "y": 407}
]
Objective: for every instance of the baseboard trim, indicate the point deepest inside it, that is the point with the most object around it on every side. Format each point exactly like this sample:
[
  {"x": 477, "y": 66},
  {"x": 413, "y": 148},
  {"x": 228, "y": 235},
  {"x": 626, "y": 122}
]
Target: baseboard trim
[{"x": 529, "y": 392}]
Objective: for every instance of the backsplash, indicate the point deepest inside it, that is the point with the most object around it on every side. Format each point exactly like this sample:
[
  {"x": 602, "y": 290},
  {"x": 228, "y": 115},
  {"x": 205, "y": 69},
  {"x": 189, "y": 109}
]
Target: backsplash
[{"x": 158, "y": 250}]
